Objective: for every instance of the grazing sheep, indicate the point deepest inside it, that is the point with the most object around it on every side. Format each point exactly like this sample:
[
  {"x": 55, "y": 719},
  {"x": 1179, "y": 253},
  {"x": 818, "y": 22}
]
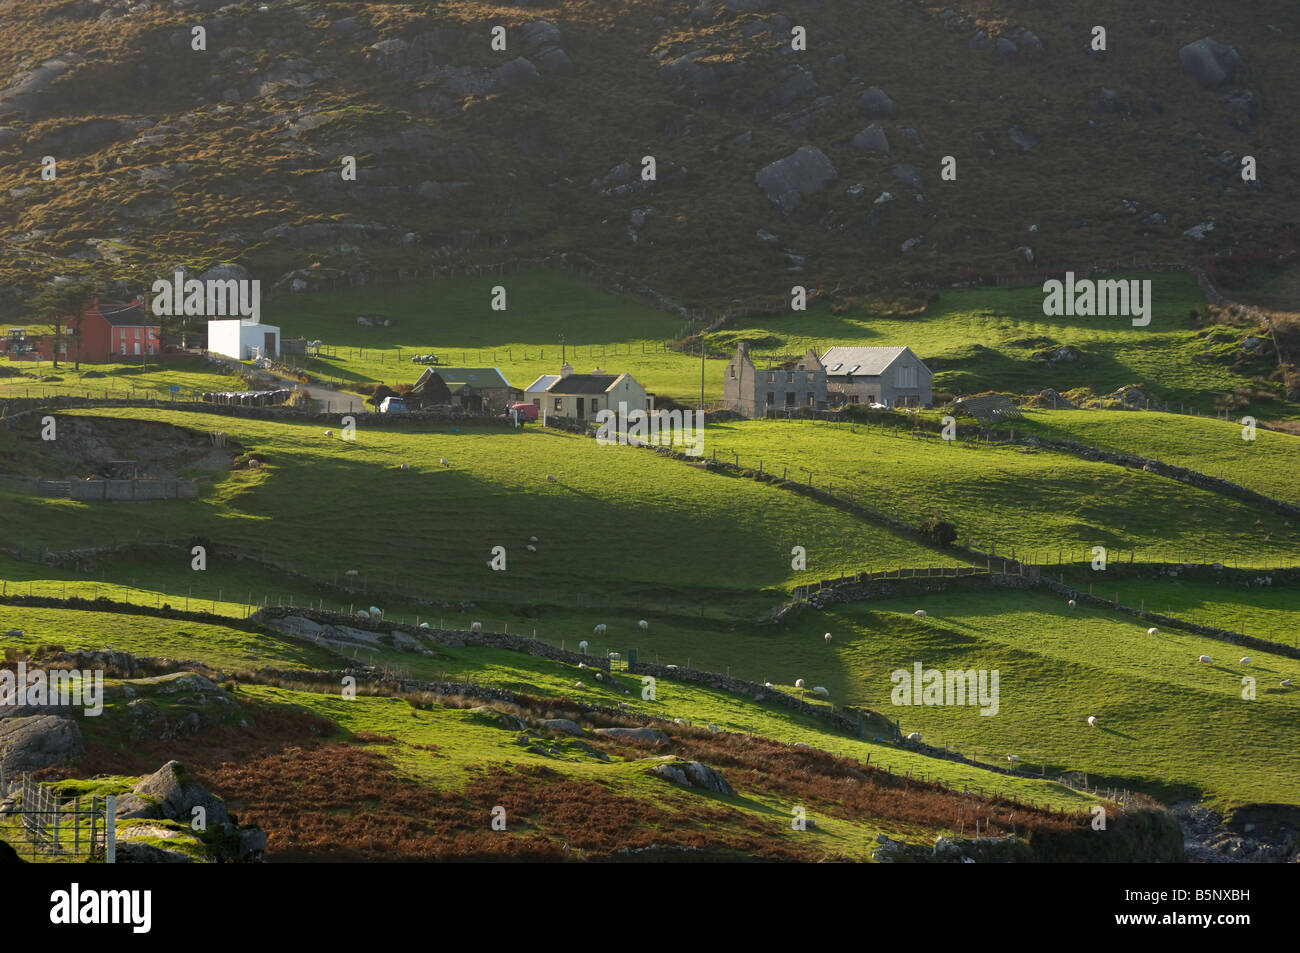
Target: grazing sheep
[
  {"x": 827, "y": 636},
  {"x": 532, "y": 539},
  {"x": 1204, "y": 659},
  {"x": 583, "y": 665},
  {"x": 1071, "y": 604},
  {"x": 644, "y": 625},
  {"x": 1286, "y": 683},
  {"x": 424, "y": 625},
  {"x": 818, "y": 689},
  {"x": 768, "y": 685},
  {"x": 914, "y": 736},
  {"x": 363, "y": 614},
  {"x": 600, "y": 676},
  {"x": 443, "y": 461},
  {"x": 1153, "y": 631},
  {"x": 531, "y": 548},
  {"x": 579, "y": 685},
  {"x": 582, "y": 646},
  {"x": 550, "y": 478},
  {"x": 329, "y": 433},
  {"x": 476, "y": 626},
  {"x": 1092, "y": 720},
  {"x": 374, "y": 611},
  {"x": 350, "y": 572},
  {"x": 599, "y": 629},
  {"x": 919, "y": 613},
  {"x": 1013, "y": 758},
  {"x": 406, "y": 466},
  {"x": 798, "y": 683},
  {"x": 1244, "y": 660},
  {"x": 670, "y": 666}
]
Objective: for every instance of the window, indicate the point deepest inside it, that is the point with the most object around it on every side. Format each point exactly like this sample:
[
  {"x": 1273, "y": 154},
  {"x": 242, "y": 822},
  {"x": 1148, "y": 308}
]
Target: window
[
  {"x": 789, "y": 398},
  {"x": 123, "y": 347},
  {"x": 771, "y": 399},
  {"x": 789, "y": 377},
  {"x": 595, "y": 405},
  {"x": 907, "y": 376},
  {"x": 771, "y": 377},
  {"x": 810, "y": 398},
  {"x": 812, "y": 377},
  {"x": 853, "y": 398},
  {"x": 832, "y": 370},
  {"x": 854, "y": 369},
  {"x": 559, "y": 405},
  {"x": 871, "y": 398}
]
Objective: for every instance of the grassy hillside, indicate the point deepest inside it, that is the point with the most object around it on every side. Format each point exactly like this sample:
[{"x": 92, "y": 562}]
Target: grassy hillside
[{"x": 235, "y": 152}]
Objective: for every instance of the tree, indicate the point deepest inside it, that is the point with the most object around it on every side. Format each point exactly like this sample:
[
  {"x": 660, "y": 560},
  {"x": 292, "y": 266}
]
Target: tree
[{"x": 61, "y": 306}]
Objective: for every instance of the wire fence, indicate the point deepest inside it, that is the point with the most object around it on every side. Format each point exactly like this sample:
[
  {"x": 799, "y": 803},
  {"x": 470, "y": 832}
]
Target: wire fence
[{"x": 53, "y": 827}]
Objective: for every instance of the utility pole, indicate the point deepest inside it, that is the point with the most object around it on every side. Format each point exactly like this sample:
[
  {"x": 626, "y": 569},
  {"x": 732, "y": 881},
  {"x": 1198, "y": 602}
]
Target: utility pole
[
  {"x": 562, "y": 351},
  {"x": 701, "y": 372}
]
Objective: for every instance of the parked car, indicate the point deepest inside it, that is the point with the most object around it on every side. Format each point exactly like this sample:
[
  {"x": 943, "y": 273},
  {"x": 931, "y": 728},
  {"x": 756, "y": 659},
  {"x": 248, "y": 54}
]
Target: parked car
[{"x": 392, "y": 405}]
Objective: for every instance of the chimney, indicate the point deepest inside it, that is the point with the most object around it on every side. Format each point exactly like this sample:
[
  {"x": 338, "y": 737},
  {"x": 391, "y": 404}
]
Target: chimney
[{"x": 566, "y": 369}]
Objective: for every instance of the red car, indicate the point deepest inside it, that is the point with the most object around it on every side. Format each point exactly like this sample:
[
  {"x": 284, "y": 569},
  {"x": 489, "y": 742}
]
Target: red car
[{"x": 526, "y": 411}]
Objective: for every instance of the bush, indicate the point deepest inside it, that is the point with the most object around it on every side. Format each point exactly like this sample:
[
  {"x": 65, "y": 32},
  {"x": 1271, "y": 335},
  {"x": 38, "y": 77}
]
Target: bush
[{"x": 939, "y": 531}]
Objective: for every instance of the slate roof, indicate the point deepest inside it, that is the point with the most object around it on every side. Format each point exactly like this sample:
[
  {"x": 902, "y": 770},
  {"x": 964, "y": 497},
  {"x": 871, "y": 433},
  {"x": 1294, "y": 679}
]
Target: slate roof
[
  {"x": 542, "y": 384},
  {"x": 478, "y": 378},
  {"x": 127, "y": 316},
  {"x": 583, "y": 384},
  {"x": 870, "y": 361}
]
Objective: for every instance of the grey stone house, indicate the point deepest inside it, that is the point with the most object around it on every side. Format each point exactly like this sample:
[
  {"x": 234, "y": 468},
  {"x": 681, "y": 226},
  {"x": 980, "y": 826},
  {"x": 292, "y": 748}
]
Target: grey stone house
[
  {"x": 892, "y": 376},
  {"x": 756, "y": 393}
]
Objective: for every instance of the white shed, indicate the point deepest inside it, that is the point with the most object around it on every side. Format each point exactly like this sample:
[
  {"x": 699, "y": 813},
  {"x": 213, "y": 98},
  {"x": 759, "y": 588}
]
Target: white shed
[{"x": 243, "y": 339}]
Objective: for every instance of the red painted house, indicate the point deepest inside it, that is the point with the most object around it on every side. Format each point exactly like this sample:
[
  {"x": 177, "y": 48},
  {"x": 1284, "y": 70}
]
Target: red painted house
[{"x": 111, "y": 332}]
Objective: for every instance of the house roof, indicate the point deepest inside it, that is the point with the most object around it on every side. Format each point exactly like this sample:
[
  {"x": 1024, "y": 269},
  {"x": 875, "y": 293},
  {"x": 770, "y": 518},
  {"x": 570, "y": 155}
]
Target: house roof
[
  {"x": 542, "y": 384},
  {"x": 478, "y": 378},
  {"x": 583, "y": 384},
  {"x": 859, "y": 361},
  {"x": 127, "y": 316}
]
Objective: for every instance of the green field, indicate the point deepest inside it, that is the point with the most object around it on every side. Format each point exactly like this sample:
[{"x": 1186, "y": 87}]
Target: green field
[
  {"x": 137, "y": 381},
  {"x": 1269, "y": 464},
  {"x": 1046, "y": 506}
]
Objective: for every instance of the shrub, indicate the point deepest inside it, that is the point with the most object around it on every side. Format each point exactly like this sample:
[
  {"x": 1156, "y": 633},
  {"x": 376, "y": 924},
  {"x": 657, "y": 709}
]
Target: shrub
[{"x": 939, "y": 531}]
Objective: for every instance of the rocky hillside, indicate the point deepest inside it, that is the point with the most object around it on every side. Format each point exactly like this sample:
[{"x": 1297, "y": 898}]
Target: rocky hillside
[{"x": 771, "y": 163}]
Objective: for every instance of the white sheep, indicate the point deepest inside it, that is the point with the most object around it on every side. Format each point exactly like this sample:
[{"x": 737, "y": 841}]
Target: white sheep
[
  {"x": 532, "y": 539},
  {"x": 374, "y": 611},
  {"x": 476, "y": 626},
  {"x": 827, "y": 636},
  {"x": 599, "y": 629},
  {"x": 1153, "y": 631},
  {"x": 363, "y": 614},
  {"x": 1071, "y": 603},
  {"x": 1013, "y": 758},
  {"x": 351, "y": 572},
  {"x": 1092, "y": 720},
  {"x": 613, "y": 655},
  {"x": 424, "y": 625},
  {"x": 600, "y": 676},
  {"x": 583, "y": 665},
  {"x": 329, "y": 433},
  {"x": 818, "y": 689},
  {"x": 1286, "y": 683},
  {"x": 670, "y": 666},
  {"x": 1244, "y": 660},
  {"x": 1205, "y": 659},
  {"x": 443, "y": 461},
  {"x": 550, "y": 478},
  {"x": 644, "y": 625},
  {"x": 406, "y": 466},
  {"x": 531, "y": 548},
  {"x": 582, "y": 646},
  {"x": 768, "y": 685},
  {"x": 798, "y": 683},
  {"x": 579, "y": 685},
  {"x": 914, "y": 736},
  {"x": 919, "y": 613}
]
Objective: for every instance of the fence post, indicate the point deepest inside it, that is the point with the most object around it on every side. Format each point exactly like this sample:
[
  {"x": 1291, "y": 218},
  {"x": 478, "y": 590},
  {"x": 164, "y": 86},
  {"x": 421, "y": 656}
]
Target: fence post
[{"x": 110, "y": 829}]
